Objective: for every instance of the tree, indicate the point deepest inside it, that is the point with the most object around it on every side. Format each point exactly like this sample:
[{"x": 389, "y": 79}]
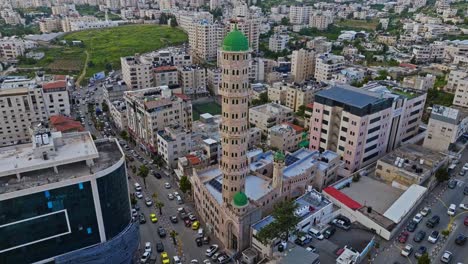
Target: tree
[
  {"x": 424, "y": 259},
  {"x": 105, "y": 107},
  {"x": 285, "y": 222},
  {"x": 173, "y": 234},
  {"x": 285, "y": 21},
  {"x": 143, "y": 172},
  {"x": 174, "y": 21},
  {"x": 185, "y": 184},
  {"x": 301, "y": 110},
  {"x": 133, "y": 200},
  {"x": 91, "y": 64},
  {"x": 159, "y": 205},
  {"x": 158, "y": 161},
  {"x": 124, "y": 135},
  {"x": 442, "y": 174}
]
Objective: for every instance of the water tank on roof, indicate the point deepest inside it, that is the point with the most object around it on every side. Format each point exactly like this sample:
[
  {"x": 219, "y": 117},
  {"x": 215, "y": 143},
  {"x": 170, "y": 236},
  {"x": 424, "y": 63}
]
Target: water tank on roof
[{"x": 45, "y": 139}]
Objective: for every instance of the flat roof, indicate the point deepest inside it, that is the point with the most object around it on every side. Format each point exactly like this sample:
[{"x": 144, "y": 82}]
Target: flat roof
[
  {"x": 405, "y": 203},
  {"x": 350, "y": 96},
  {"x": 297, "y": 254}
]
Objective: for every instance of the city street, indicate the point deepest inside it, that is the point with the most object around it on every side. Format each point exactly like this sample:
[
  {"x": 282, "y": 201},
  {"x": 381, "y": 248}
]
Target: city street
[{"x": 438, "y": 200}]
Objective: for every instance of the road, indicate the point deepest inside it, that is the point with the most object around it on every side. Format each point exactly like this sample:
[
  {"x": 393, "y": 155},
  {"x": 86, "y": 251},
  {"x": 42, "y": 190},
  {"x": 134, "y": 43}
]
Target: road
[{"x": 438, "y": 200}]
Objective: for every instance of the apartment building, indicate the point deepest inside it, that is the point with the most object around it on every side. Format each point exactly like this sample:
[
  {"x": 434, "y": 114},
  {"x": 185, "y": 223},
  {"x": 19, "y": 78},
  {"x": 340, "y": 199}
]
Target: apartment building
[
  {"x": 320, "y": 21},
  {"x": 298, "y": 95},
  {"x": 136, "y": 72},
  {"x": 250, "y": 26},
  {"x": 13, "y": 47},
  {"x": 349, "y": 75},
  {"x": 204, "y": 40},
  {"x": 118, "y": 114},
  {"x": 285, "y": 137},
  {"x": 446, "y": 125},
  {"x": 167, "y": 76},
  {"x": 48, "y": 25},
  {"x": 302, "y": 65},
  {"x": 186, "y": 19},
  {"x": 277, "y": 93},
  {"x": 25, "y": 101},
  {"x": 174, "y": 142},
  {"x": 461, "y": 94},
  {"x": 150, "y": 110},
  {"x": 69, "y": 20},
  {"x": 213, "y": 79},
  {"x": 320, "y": 45},
  {"x": 422, "y": 83},
  {"x": 299, "y": 15},
  {"x": 192, "y": 80},
  {"x": 278, "y": 42},
  {"x": 428, "y": 53},
  {"x": 268, "y": 115},
  {"x": 456, "y": 81},
  {"x": 326, "y": 65}
]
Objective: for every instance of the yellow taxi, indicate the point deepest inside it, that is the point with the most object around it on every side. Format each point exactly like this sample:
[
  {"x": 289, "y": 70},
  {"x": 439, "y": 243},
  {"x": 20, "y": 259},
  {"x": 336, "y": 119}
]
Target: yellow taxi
[
  {"x": 165, "y": 258},
  {"x": 153, "y": 218},
  {"x": 195, "y": 225}
]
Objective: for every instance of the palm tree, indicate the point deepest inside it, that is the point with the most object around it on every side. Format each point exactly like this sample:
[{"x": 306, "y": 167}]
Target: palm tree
[
  {"x": 173, "y": 234},
  {"x": 143, "y": 172},
  {"x": 159, "y": 205}
]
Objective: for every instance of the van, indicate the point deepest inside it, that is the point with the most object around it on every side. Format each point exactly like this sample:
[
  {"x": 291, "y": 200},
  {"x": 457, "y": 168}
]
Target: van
[
  {"x": 137, "y": 187},
  {"x": 179, "y": 200},
  {"x": 315, "y": 233},
  {"x": 200, "y": 232}
]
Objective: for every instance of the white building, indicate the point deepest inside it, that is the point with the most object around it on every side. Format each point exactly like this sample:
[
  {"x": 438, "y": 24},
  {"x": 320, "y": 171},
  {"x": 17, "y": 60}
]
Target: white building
[
  {"x": 326, "y": 65},
  {"x": 173, "y": 142},
  {"x": 278, "y": 42}
]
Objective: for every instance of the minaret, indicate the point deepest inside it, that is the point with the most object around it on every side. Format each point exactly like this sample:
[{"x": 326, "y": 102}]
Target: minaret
[
  {"x": 278, "y": 166},
  {"x": 234, "y": 61}
]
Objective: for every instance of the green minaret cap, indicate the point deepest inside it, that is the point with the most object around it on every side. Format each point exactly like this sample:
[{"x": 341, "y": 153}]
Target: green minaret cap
[
  {"x": 279, "y": 156},
  {"x": 235, "y": 41},
  {"x": 240, "y": 199}
]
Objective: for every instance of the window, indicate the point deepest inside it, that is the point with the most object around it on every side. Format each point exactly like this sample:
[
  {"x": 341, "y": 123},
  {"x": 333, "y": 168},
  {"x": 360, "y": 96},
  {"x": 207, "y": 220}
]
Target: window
[
  {"x": 372, "y": 138},
  {"x": 372, "y": 130},
  {"x": 374, "y": 120},
  {"x": 345, "y": 119}
]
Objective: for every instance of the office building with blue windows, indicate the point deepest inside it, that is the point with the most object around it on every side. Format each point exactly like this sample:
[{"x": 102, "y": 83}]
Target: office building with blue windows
[{"x": 64, "y": 199}]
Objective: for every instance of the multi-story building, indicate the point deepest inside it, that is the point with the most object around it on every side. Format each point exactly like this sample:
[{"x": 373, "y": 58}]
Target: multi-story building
[
  {"x": 320, "y": 21},
  {"x": 349, "y": 75},
  {"x": 136, "y": 73},
  {"x": 250, "y": 26},
  {"x": 192, "y": 80},
  {"x": 26, "y": 101},
  {"x": 204, "y": 40},
  {"x": 213, "y": 79},
  {"x": 461, "y": 94},
  {"x": 456, "y": 80},
  {"x": 278, "y": 42},
  {"x": 446, "y": 125},
  {"x": 285, "y": 137},
  {"x": 428, "y": 53},
  {"x": 268, "y": 115},
  {"x": 302, "y": 65},
  {"x": 118, "y": 114},
  {"x": 320, "y": 45},
  {"x": 167, "y": 76},
  {"x": 326, "y": 65},
  {"x": 298, "y": 95},
  {"x": 48, "y": 25},
  {"x": 150, "y": 110},
  {"x": 422, "y": 83},
  {"x": 13, "y": 47},
  {"x": 300, "y": 14},
  {"x": 73, "y": 192},
  {"x": 173, "y": 142}
]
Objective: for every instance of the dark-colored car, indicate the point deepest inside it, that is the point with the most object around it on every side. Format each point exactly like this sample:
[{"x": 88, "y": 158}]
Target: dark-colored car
[
  {"x": 137, "y": 207},
  {"x": 159, "y": 247},
  {"x": 157, "y": 175},
  {"x": 329, "y": 232},
  {"x": 419, "y": 236},
  {"x": 206, "y": 240},
  {"x": 403, "y": 237},
  {"x": 434, "y": 221},
  {"x": 161, "y": 232},
  {"x": 199, "y": 241},
  {"x": 142, "y": 218},
  {"x": 452, "y": 184},
  {"x": 421, "y": 251},
  {"x": 187, "y": 223},
  {"x": 465, "y": 222},
  {"x": 412, "y": 226},
  {"x": 174, "y": 219},
  {"x": 465, "y": 190},
  {"x": 460, "y": 240}
]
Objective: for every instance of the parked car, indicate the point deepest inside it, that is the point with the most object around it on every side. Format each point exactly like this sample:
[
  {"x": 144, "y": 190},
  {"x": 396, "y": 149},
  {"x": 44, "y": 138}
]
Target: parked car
[
  {"x": 153, "y": 218},
  {"x": 419, "y": 236},
  {"x": 425, "y": 211},
  {"x": 434, "y": 237},
  {"x": 418, "y": 218},
  {"x": 134, "y": 213},
  {"x": 145, "y": 257},
  {"x": 403, "y": 237},
  {"x": 148, "y": 201},
  {"x": 199, "y": 241},
  {"x": 421, "y": 251},
  {"x": 433, "y": 221},
  {"x": 174, "y": 219},
  {"x": 211, "y": 250},
  {"x": 452, "y": 184},
  {"x": 341, "y": 224},
  {"x": 192, "y": 217},
  {"x": 407, "y": 250},
  {"x": 223, "y": 258},
  {"x": 159, "y": 247},
  {"x": 142, "y": 218},
  {"x": 176, "y": 260},
  {"x": 167, "y": 185},
  {"x": 137, "y": 187},
  {"x": 460, "y": 240},
  {"x": 463, "y": 206},
  {"x": 161, "y": 232},
  {"x": 315, "y": 233},
  {"x": 329, "y": 232},
  {"x": 303, "y": 240},
  {"x": 148, "y": 247},
  {"x": 139, "y": 195},
  {"x": 446, "y": 257},
  {"x": 465, "y": 222},
  {"x": 465, "y": 190},
  {"x": 412, "y": 226},
  {"x": 216, "y": 255},
  {"x": 452, "y": 210}
]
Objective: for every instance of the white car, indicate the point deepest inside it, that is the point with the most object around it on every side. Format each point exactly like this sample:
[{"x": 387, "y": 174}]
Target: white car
[
  {"x": 137, "y": 187},
  {"x": 211, "y": 250},
  {"x": 170, "y": 196},
  {"x": 418, "y": 218},
  {"x": 407, "y": 250},
  {"x": 433, "y": 237},
  {"x": 465, "y": 167},
  {"x": 176, "y": 194},
  {"x": 425, "y": 211},
  {"x": 463, "y": 206},
  {"x": 145, "y": 257},
  {"x": 446, "y": 257},
  {"x": 452, "y": 209},
  {"x": 139, "y": 195},
  {"x": 148, "y": 247},
  {"x": 167, "y": 185},
  {"x": 148, "y": 201}
]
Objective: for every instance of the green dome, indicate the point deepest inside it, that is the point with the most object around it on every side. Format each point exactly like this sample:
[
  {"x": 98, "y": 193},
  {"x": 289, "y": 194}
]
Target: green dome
[
  {"x": 235, "y": 41},
  {"x": 279, "y": 156},
  {"x": 240, "y": 199}
]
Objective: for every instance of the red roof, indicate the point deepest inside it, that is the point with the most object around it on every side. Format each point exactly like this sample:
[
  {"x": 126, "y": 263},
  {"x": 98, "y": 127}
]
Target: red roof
[
  {"x": 408, "y": 65},
  {"x": 165, "y": 68},
  {"x": 60, "y": 77},
  {"x": 182, "y": 96},
  {"x": 194, "y": 160},
  {"x": 54, "y": 85},
  {"x": 295, "y": 127},
  {"x": 343, "y": 198},
  {"x": 310, "y": 105},
  {"x": 65, "y": 124}
]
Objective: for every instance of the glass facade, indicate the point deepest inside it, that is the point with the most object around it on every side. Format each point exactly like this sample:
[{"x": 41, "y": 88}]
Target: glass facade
[
  {"x": 46, "y": 224},
  {"x": 115, "y": 205}
]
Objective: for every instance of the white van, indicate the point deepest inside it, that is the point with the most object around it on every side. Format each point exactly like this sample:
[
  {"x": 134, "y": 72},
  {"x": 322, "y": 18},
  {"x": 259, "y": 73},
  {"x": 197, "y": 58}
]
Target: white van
[
  {"x": 451, "y": 210},
  {"x": 316, "y": 233},
  {"x": 137, "y": 187}
]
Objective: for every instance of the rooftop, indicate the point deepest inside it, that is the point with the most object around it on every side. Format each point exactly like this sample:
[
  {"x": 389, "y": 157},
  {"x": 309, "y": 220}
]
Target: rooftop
[
  {"x": 303, "y": 159},
  {"x": 349, "y": 95},
  {"x": 447, "y": 114},
  {"x": 271, "y": 109},
  {"x": 297, "y": 254}
]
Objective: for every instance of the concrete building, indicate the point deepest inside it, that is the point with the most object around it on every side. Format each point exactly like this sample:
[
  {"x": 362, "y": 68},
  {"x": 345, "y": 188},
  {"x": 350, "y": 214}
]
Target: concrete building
[
  {"x": 320, "y": 21},
  {"x": 269, "y": 115},
  {"x": 213, "y": 80},
  {"x": 285, "y": 137},
  {"x": 320, "y": 45},
  {"x": 278, "y": 42},
  {"x": 299, "y": 15},
  {"x": 192, "y": 80},
  {"x": 446, "y": 125},
  {"x": 48, "y": 25},
  {"x": 428, "y": 53},
  {"x": 409, "y": 164},
  {"x": 173, "y": 142},
  {"x": 13, "y": 47},
  {"x": 422, "y": 83},
  {"x": 458, "y": 82},
  {"x": 118, "y": 114},
  {"x": 151, "y": 110},
  {"x": 167, "y": 76},
  {"x": 302, "y": 65},
  {"x": 66, "y": 178},
  {"x": 204, "y": 40},
  {"x": 136, "y": 73},
  {"x": 298, "y": 95},
  {"x": 25, "y": 101},
  {"x": 326, "y": 65}
]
